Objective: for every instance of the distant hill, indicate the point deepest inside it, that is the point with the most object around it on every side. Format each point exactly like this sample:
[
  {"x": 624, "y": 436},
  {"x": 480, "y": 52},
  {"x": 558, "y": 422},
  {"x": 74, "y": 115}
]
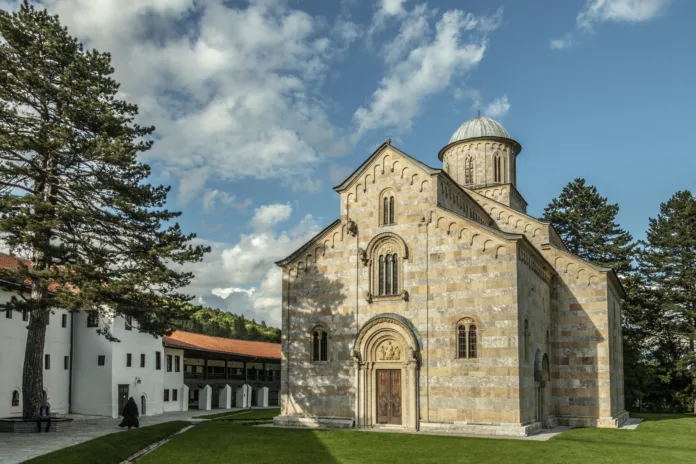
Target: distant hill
[{"x": 218, "y": 323}]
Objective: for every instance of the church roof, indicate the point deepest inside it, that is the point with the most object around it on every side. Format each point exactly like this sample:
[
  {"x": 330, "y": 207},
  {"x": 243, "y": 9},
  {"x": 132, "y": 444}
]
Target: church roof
[
  {"x": 306, "y": 246},
  {"x": 357, "y": 172},
  {"x": 480, "y": 126}
]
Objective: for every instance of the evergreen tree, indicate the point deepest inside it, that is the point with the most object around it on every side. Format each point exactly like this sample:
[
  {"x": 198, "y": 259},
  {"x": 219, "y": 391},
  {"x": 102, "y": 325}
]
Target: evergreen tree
[
  {"x": 587, "y": 225},
  {"x": 74, "y": 196},
  {"x": 667, "y": 264}
]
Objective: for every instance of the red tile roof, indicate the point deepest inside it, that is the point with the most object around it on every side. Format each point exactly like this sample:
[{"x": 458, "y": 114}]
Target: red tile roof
[
  {"x": 11, "y": 262},
  {"x": 188, "y": 340}
]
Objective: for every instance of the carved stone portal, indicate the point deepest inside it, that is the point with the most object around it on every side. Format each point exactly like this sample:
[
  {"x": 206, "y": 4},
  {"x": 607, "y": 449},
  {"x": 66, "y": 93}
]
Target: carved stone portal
[{"x": 388, "y": 352}]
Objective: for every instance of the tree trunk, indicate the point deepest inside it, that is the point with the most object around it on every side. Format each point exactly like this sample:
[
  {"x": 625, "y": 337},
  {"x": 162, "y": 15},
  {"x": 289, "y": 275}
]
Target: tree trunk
[{"x": 32, "y": 375}]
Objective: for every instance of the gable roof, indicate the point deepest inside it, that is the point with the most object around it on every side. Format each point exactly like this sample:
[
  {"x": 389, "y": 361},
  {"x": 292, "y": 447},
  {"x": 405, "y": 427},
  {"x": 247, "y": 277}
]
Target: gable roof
[
  {"x": 304, "y": 247},
  {"x": 343, "y": 185},
  {"x": 194, "y": 341}
]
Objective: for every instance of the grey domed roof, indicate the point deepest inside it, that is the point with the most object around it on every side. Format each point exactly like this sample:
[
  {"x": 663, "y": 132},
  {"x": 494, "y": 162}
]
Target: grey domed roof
[{"x": 479, "y": 127}]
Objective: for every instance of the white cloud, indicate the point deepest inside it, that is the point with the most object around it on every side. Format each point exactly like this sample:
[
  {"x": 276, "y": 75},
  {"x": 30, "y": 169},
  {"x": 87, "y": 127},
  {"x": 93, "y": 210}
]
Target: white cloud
[
  {"x": 617, "y": 11},
  {"x": 268, "y": 216},
  {"x": 426, "y": 69},
  {"x": 235, "y": 96},
  {"x": 214, "y": 197},
  {"x": 497, "y": 108}
]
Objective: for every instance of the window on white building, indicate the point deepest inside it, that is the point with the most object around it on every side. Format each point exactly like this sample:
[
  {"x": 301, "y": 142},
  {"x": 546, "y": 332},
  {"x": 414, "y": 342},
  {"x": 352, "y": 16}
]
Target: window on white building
[
  {"x": 92, "y": 319},
  {"x": 47, "y": 362},
  {"x": 66, "y": 362},
  {"x": 142, "y": 359},
  {"x": 175, "y": 395},
  {"x": 64, "y": 320},
  {"x": 158, "y": 360},
  {"x": 101, "y": 360},
  {"x": 166, "y": 395},
  {"x": 129, "y": 359},
  {"x": 177, "y": 363},
  {"x": 169, "y": 363}
]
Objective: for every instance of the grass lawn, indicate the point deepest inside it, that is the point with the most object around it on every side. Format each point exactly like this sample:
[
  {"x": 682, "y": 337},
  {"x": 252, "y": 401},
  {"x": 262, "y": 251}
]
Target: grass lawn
[
  {"x": 659, "y": 439},
  {"x": 253, "y": 414},
  {"x": 112, "y": 448}
]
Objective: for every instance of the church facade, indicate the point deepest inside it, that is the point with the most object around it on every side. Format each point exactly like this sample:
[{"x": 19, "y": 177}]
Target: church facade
[{"x": 436, "y": 303}]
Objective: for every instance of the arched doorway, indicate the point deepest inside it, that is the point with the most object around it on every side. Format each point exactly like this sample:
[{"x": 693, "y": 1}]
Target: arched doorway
[
  {"x": 385, "y": 356},
  {"x": 543, "y": 388},
  {"x": 143, "y": 405}
]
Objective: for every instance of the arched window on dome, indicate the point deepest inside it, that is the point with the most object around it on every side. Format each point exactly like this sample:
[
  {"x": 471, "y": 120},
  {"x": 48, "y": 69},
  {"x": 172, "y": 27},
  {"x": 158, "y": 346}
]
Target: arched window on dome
[
  {"x": 497, "y": 168},
  {"x": 469, "y": 170}
]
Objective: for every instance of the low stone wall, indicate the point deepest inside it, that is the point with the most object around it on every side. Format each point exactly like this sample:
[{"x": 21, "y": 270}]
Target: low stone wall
[
  {"x": 602, "y": 422},
  {"x": 504, "y": 430},
  {"x": 20, "y": 426}
]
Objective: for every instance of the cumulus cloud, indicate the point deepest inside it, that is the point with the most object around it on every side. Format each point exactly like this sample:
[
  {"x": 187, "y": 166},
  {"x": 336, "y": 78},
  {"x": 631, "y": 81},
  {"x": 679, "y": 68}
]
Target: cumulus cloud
[
  {"x": 418, "y": 71},
  {"x": 268, "y": 216},
  {"x": 617, "y": 11},
  {"x": 214, "y": 198},
  {"x": 498, "y": 107}
]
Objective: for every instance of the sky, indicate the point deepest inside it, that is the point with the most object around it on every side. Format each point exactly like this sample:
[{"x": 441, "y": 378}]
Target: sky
[{"x": 262, "y": 106}]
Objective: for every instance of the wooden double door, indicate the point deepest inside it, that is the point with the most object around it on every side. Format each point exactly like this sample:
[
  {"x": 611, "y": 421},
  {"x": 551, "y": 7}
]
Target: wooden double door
[
  {"x": 122, "y": 398},
  {"x": 389, "y": 396}
]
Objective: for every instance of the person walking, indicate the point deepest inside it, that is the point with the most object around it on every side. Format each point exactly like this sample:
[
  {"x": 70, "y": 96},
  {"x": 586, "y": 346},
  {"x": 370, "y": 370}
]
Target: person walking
[{"x": 130, "y": 415}]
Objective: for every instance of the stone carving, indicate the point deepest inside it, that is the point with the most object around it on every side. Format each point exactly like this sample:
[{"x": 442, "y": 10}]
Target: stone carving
[
  {"x": 389, "y": 352},
  {"x": 362, "y": 254},
  {"x": 368, "y": 297},
  {"x": 352, "y": 228}
]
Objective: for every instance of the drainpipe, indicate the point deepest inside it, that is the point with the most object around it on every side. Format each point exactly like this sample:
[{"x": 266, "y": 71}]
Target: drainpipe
[{"x": 70, "y": 366}]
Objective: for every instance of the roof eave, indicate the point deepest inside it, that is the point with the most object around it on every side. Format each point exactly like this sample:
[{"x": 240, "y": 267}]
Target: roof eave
[{"x": 515, "y": 143}]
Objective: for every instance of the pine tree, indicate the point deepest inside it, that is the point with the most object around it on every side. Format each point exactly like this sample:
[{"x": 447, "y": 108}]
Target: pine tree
[
  {"x": 667, "y": 263},
  {"x": 587, "y": 225},
  {"x": 74, "y": 196}
]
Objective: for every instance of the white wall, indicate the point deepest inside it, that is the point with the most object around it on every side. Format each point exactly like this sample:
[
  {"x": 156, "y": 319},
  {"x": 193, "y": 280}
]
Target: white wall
[
  {"x": 173, "y": 380},
  {"x": 13, "y": 337}
]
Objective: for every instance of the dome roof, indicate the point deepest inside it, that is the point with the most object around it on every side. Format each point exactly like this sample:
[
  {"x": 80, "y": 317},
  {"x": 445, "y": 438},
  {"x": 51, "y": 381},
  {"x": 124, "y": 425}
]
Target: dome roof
[{"x": 479, "y": 127}]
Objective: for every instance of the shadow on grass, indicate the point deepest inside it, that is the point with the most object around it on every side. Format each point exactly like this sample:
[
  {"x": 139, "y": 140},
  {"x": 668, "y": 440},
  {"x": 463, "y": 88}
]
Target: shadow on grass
[{"x": 654, "y": 417}]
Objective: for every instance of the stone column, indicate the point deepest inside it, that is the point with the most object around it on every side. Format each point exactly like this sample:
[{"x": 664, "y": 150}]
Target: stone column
[
  {"x": 358, "y": 392},
  {"x": 184, "y": 397},
  {"x": 412, "y": 393},
  {"x": 262, "y": 397},
  {"x": 205, "y": 398},
  {"x": 225, "y": 399}
]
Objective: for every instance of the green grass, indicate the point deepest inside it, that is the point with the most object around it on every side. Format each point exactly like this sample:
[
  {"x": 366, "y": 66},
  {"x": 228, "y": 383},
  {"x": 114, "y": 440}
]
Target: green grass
[
  {"x": 254, "y": 414},
  {"x": 659, "y": 439},
  {"x": 112, "y": 448}
]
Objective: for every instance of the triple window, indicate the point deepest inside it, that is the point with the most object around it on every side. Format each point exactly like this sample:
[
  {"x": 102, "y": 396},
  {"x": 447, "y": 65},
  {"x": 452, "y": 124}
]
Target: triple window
[
  {"x": 466, "y": 341},
  {"x": 388, "y": 278},
  {"x": 320, "y": 345}
]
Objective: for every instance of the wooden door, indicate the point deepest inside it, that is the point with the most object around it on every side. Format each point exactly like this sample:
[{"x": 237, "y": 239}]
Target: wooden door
[
  {"x": 122, "y": 397},
  {"x": 389, "y": 396}
]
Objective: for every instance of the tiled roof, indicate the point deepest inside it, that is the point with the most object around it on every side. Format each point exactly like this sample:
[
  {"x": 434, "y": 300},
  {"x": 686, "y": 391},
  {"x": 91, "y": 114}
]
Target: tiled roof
[
  {"x": 11, "y": 262},
  {"x": 193, "y": 341}
]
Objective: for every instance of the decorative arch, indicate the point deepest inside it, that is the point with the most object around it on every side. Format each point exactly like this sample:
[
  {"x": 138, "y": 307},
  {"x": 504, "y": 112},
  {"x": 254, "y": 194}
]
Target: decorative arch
[
  {"x": 385, "y": 237},
  {"x": 319, "y": 337},
  {"x": 468, "y": 337},
  {"x": 386, "y": 343},
  {"x": 387, "y": 205}
]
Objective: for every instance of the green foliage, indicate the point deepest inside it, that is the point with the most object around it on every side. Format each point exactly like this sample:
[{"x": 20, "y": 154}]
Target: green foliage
[
  {"x": 74, "y": 197},
  {"x": 218, "y": 323},
  {"x": 667, "y": 267},
  {"x": 587, "y": 225},
  {"x": 112, "y": 448}
]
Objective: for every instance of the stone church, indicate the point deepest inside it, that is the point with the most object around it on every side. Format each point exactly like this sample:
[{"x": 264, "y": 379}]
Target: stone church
[{"x": 435, "y": 303}]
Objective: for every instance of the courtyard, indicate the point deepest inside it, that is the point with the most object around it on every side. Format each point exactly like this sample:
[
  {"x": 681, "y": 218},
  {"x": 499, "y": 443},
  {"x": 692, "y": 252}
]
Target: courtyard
[{"x": 660, "y": 438}]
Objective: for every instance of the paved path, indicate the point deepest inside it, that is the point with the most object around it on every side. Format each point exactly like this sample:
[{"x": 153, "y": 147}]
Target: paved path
[{"x": 18, "y": 447}]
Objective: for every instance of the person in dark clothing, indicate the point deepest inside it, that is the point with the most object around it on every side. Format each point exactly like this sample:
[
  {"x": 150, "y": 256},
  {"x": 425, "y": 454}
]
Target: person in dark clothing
[
  {"x": 130, "y": 415},
  {"x": 44, "y": 416}
]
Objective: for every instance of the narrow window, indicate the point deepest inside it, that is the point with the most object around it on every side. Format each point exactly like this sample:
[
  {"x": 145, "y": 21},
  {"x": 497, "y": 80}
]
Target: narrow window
[
  {"x": 391, "y": 210},
  {"x": 496, "y": 168},
  {"x": 169, "y": 363},
  {"x": 158, "y": 360},
  {"x": 385, "y": 211},
  {"x": 142, "y": 359},
  {"x": 324, "y": 346},
  {"x": 461, "y": 342},
  {"x": 92, "y": 319},
  {"x": 177, "y": 363},
  {"x": 129, "y": 359},
  {"x": 380, "y": 283},
  {"x": 47, "y": 362},
  {"x": 526, "y": 341},
  {"x": 15, "y": 398},
  {"x": 129, "y": 322},
  {"x": 315, "y": 346},
  {"x": 166, "y": 395},
  {"x": 64, "y": 320},
  {"x": 395, "y": 274},
  {"x": 472, "y": 341},
  {"x": 387, "y": 283},
  {"x": 25, "y": 315},
  {"x": 175, "y": 394},
  {"x": 101, "y": 360},
  {"x": 469, "y": 171},
  {"x": 8, "y": 313},
  {"x": 66, "y": 362}
]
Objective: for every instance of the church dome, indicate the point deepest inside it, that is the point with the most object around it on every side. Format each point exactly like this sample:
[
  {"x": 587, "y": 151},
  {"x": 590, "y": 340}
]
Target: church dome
[{"x": 480, "y": 126}]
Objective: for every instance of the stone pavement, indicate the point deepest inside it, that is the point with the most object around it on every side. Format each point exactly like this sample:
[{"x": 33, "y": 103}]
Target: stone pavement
[{"x": 18, "y": 447}]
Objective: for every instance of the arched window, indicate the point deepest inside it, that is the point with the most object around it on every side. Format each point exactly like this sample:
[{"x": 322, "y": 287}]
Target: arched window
[
  {"x": 381, "y": 275},
  {"x": 469, "y": 171},
  {"x": 388, "y": 282},
  {"x": 385, "y": 210},
  {"x": 466, "y": 339},
  {"x": 472, "y": 341},
  {"x": 386, "y": 255},
  {"x": 497, "y": 169},
  {"x": 320, "y": 345},
  {"x": 388, "y": 275},
  {"x": 315, "y": 346},
  {"x": 461, "y": 342},
  {"x": 387, "y": 204},
  {"x": 395, "y": 274},
  {"x": 391, "y": 210},
  {"x": 15, "y": 398}
]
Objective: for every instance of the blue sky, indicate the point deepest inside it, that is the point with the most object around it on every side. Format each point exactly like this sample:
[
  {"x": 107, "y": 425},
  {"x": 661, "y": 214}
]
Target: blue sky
[{"x": 263, "y": 106}]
